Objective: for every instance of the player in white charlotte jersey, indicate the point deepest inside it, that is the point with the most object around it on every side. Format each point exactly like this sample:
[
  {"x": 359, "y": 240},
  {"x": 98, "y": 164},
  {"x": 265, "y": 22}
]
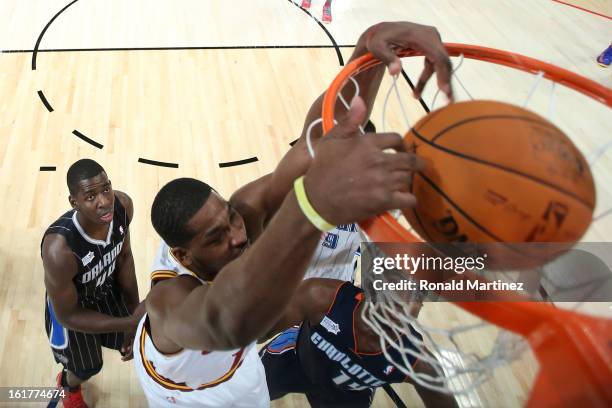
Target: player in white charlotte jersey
[{"x": 241, "y": 260}]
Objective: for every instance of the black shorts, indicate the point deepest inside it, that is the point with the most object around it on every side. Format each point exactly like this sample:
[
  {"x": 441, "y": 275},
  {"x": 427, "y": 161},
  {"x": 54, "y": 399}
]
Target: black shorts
[
  {"x": 284, "y": 375},
  {"x": 80, "y": 352}
]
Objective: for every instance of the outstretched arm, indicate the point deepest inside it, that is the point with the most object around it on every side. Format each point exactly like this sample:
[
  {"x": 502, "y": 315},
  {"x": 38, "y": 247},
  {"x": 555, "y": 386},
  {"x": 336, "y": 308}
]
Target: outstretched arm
[
  {"x": 312, "y": 299},
  {"x": 247, "y": 296},
  {"x": 261, "y": 198}
]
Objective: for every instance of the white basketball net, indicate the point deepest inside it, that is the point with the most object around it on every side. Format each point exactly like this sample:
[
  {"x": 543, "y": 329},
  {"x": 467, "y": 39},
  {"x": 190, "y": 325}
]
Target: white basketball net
[{"x": 459, "y": 368}]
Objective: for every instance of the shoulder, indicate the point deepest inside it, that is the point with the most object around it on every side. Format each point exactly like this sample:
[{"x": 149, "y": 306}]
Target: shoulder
[
  {"x": 169, "y": 293},
  {"x": 250, "y": 202},
  {"x": 55, "y": 246},
  {"x": 317, "y": 295},
  {"x": 252, "y": 195},
  {"x": 57, "y": 256},
  {"x": 126, "y": 202}
]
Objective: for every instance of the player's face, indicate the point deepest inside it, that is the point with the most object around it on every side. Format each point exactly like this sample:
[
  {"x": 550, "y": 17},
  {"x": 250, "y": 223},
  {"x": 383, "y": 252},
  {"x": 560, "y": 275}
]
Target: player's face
[
  {"x": 95, "y": 200},
  {"x": 221, "y": 236}
]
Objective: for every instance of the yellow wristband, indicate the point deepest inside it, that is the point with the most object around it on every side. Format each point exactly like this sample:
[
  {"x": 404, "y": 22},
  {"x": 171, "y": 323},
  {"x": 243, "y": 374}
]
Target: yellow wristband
[{"x": 307, "y": 208}]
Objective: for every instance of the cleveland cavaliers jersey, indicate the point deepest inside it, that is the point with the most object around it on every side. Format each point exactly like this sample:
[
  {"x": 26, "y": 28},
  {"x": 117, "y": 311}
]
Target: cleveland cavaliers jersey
[
  {"x": 195, "y": 377},
  {"x": 187, "y": 370},
  {"x": 328, "y": 351},
  {"x": 96, "y": 259}
]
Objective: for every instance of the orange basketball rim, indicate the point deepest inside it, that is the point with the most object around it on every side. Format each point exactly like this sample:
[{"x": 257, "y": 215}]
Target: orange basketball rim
[{"x": 574, "y": 350}]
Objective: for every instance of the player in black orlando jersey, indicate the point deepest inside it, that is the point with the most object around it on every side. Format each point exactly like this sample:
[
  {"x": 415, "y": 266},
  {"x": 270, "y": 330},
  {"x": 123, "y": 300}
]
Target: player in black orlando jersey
[
  {"x": 92, "y": 295},
  {"x": 334, "y": 357}
]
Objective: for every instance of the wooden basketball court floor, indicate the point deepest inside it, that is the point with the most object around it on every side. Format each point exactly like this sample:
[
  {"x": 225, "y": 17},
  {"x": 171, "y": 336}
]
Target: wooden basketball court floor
[{"x": 220, "y": 89}]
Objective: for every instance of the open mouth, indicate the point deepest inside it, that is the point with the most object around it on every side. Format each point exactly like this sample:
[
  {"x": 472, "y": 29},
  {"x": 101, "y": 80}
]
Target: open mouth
[{"x": 108, "y": 217}]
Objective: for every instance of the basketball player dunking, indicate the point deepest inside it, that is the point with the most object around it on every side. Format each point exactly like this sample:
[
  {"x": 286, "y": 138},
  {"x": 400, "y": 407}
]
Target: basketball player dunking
[
  {"x": 195, "y": 345},
  {"x": 333, "y": 356},
  {"x": 92, "y": 294}
]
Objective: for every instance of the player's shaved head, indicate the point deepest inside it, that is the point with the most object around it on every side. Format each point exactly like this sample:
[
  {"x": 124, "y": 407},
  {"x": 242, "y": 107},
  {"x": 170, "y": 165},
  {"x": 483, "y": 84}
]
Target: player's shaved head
[
  {"x": 81, "y": 170},
  {"x": 174, "y": 205}
]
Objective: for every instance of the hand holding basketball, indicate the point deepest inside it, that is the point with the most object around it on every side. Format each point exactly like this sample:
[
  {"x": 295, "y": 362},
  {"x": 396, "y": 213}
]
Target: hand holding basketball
[
  {"x": 351, "y": 178},
  {"x": 384, "y": 40}
]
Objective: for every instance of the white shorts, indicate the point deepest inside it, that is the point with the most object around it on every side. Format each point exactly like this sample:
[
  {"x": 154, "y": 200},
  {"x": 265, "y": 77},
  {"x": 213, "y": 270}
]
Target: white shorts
[{"x": 247, "y": 388}]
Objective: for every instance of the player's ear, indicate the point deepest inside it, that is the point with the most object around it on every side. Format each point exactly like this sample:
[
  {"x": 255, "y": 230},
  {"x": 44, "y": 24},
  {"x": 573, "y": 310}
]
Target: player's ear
[
  {"x": 72, "y": 201},
  {"x": 182, "y": 255}
]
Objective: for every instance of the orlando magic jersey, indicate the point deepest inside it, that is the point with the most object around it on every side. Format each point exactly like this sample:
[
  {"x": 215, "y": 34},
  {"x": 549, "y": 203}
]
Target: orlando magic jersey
[
  {"x": 96, "y": 259},
  {"x": 327, "y": 351}
]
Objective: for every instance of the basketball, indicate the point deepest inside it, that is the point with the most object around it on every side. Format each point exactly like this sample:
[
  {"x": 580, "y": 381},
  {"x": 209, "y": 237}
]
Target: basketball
[{"x": 497, "y": 173}]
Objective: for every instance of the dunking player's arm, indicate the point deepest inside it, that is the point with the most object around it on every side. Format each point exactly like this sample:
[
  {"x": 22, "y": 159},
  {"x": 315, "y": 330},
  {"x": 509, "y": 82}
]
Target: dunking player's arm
[
  {"x": 250, "y": 291},
  {"x": 311, "y": 302},
  {"x": 258, "y": 200},
  {"x": 244, "y": 299},
  {"x": 60, "y": 267}
]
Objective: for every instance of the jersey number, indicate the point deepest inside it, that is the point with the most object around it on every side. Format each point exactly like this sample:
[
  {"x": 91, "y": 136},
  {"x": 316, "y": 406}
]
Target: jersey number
[{"x": 342, "y": 379}]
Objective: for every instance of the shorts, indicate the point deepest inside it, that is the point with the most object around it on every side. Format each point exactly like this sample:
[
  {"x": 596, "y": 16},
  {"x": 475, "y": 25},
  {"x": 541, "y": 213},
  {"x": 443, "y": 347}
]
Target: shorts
[
  {"x": 78, "y": 352},
  {"x": 284, "y": 375}
]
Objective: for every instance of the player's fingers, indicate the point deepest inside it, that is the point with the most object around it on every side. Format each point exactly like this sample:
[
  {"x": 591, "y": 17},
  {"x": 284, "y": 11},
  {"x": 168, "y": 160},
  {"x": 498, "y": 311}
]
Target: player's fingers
[
  {"x": 382, "y": 50},
  {"x": 402, "y": 199},
  {"x": 387, "y": 141},
  {"x": 349, "y": 124},
  {"x": 399, "y": 180},
  {"x": 444, "y": 72},
  {"x": 428, "y": 70},
  {"x": 404, "y": 161}
]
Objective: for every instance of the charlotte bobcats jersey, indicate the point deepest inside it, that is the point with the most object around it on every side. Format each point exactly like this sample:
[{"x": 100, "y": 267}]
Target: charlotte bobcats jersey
[
  {"x": 96, "y": 259},
  {"x": 195, "y": 377},
  {"x": 328, "y": 351},
  {"x": 336, "y": 255}
]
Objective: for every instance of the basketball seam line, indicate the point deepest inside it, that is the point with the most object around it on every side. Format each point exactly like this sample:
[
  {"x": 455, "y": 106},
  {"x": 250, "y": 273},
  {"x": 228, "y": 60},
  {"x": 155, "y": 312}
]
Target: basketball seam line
[
  {"x": 503, "y": 168},
  {"x": 470, "y": 219},
  {"x": 463, "y": 212},
  {"x": 416, "y": 214},
  {"x": 476, "y": 118}
]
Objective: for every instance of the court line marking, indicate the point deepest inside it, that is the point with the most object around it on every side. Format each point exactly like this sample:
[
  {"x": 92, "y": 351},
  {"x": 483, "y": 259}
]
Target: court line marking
[
  {"x": 178, "y": 48},
  {"x": 583, "y": 9},
  {"x": 44, "y": 30},
  {"x": 86, "y": 139},
  {"x": 158, "y": 163},
  {"x": 44, "y": 100},
  {"x": 239, "y": 162}
]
